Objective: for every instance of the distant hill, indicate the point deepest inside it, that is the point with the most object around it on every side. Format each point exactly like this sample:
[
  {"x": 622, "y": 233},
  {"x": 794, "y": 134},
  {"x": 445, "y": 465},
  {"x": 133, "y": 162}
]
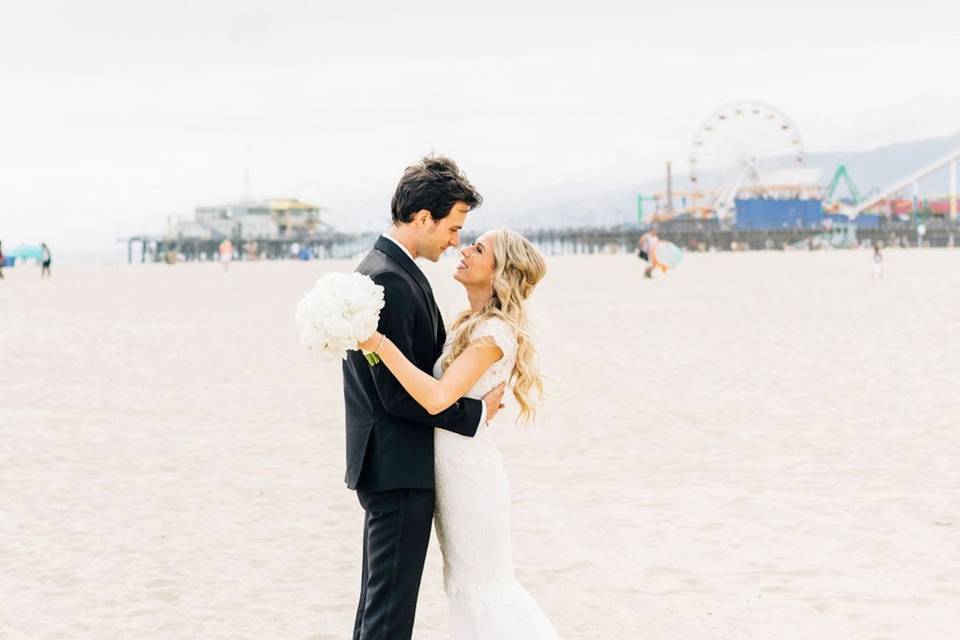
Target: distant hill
[{"x": 586, "y": 204}]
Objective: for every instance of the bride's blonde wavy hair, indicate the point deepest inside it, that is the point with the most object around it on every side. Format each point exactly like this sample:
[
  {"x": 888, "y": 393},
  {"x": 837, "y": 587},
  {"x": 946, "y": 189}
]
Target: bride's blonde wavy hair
[{"x": 518, "y": 267}]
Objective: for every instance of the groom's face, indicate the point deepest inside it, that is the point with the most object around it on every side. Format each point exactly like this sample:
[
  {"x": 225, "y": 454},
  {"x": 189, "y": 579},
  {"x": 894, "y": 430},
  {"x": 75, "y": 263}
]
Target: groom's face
[{"x": 440, "y": 235}]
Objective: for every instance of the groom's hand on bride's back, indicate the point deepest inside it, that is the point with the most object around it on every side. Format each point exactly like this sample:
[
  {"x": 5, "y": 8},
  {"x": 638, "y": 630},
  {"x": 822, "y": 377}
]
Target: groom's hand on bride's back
[{"x": 492, "y": 400}]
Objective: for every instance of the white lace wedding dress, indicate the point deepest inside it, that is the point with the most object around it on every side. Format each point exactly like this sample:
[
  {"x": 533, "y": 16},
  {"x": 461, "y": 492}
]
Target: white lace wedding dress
[{"x": 473, "y": 522}]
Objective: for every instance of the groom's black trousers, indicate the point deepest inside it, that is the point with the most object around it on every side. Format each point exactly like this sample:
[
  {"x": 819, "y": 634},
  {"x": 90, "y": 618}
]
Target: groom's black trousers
[{"x": 396, "y": 532}]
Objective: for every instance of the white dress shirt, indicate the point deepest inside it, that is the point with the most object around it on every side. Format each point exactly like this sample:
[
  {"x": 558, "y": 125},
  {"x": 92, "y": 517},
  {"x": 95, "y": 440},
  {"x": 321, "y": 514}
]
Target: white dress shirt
[{"x": 402, "y": 248}]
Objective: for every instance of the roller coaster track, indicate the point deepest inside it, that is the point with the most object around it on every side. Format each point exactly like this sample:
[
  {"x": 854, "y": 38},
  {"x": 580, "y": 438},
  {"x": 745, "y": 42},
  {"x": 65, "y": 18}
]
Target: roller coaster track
[{"x": 950, "y": 160}]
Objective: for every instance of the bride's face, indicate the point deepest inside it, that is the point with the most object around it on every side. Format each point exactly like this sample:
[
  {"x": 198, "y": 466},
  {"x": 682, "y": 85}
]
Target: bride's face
[{"x": 476, "y": 263}]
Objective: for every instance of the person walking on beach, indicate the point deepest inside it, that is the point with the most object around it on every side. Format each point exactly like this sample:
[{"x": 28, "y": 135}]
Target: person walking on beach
[
  {"x": 46, "y": 259},
  {"x": 647, "y": 250},
  {"x": 226, "y": 253},
  {"x": 877, "y": 261},
  {"x": 642, "y": 248},
  {"x": 389, "y": 435}
]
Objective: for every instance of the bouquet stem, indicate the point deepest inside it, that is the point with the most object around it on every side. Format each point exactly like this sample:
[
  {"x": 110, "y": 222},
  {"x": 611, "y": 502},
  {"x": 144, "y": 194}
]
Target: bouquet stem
[{"x": 372, "y": 358}]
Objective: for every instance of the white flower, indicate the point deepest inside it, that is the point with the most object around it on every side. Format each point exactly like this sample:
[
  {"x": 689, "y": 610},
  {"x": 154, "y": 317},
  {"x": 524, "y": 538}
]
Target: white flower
[{"x": 340, "y": 310}]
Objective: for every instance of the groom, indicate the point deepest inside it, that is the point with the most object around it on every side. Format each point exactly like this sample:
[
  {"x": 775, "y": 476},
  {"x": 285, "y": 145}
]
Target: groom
[{"x": 389, "y": 435}]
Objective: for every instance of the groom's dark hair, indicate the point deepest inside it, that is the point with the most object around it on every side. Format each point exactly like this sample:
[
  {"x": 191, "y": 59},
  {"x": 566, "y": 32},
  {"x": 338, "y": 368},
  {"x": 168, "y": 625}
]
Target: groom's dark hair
[{"x": 435, "y": 184}]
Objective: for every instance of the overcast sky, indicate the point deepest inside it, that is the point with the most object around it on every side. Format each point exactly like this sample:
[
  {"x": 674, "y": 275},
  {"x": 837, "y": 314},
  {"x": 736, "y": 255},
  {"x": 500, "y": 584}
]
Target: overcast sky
[{"x": 116, "y": 114}]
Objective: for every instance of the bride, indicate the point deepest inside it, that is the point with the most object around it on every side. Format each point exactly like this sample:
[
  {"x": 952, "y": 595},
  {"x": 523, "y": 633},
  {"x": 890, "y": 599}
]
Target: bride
[{"x": 488, "y": 346}]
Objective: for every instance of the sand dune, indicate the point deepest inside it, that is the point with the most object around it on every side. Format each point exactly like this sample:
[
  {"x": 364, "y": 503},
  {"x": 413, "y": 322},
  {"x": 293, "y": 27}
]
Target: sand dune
[{"x": 758, "y": 445}]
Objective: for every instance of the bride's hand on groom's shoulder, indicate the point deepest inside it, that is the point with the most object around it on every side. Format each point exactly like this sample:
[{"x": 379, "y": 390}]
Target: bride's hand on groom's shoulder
[{"x": 492, "y": 400}]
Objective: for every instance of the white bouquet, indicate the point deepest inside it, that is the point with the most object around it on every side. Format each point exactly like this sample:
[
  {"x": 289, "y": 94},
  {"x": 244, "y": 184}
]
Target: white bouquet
[{"x": 340, "y": 310}]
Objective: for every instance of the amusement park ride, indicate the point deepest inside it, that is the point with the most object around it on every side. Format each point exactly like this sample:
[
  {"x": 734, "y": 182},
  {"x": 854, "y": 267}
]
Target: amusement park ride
[
  {"x": 753, "y": 151},
  {"x": 830, "y": 202}
]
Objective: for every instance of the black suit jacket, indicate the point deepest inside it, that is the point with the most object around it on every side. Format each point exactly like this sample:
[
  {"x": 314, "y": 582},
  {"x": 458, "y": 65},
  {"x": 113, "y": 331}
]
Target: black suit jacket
[{"x": 389, "y": 435}]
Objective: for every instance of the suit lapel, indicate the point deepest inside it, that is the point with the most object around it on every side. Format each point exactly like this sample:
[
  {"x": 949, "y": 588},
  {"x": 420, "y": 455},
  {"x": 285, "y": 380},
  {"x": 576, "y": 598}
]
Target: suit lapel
[
  {"x": 401, "y": 258},
  {"x": 442, "y": 332}
]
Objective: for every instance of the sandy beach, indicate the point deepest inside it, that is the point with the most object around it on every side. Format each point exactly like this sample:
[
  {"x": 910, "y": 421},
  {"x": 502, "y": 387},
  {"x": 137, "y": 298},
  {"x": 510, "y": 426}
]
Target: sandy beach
[{"x": 758, "y": 445}]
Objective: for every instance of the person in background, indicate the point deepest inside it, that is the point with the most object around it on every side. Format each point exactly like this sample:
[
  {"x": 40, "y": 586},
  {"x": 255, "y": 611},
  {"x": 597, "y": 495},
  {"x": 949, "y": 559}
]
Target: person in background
[
  {"x": 647, "y": 251},
  {"x": 226, "y": 253},
  {"x": 45, "y": 265},
  {"x": 877, "y": 261},
  {"x": 1, "y": 260},
  {"x": 642, "y": 248}
]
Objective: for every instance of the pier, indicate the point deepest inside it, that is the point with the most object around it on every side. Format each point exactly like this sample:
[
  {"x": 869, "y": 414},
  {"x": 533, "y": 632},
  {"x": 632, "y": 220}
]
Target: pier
[
  {"x": 692, "y": 236},
  {"x": 330, "y": 245},
  {"x": 705, "y": 237}
]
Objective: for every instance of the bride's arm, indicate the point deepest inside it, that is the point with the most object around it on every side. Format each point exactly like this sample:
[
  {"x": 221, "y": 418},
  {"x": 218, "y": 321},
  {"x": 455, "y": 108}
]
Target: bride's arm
[{"x": 432, "y": 394}]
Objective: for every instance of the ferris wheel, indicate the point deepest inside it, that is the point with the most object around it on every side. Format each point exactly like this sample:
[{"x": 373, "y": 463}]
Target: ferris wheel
[{"x": 730, "y": 144}]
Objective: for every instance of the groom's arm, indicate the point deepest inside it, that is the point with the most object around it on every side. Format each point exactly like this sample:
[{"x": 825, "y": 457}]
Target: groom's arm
[{"x": 396, "y": 322}]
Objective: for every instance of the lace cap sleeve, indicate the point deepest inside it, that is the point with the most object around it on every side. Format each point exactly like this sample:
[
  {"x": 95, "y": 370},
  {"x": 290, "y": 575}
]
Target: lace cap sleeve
[{"x": 500, "y": 332}]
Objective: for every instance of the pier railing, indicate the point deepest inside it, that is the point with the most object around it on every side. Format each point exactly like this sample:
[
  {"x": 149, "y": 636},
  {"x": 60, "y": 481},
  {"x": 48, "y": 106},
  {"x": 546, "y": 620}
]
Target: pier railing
[{"x": 933, "y": 232}]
